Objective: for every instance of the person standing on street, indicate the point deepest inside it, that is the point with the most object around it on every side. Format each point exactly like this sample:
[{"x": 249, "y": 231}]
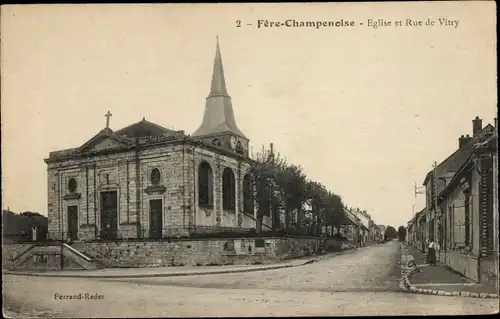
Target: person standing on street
[{"x": 431, "y": 254}]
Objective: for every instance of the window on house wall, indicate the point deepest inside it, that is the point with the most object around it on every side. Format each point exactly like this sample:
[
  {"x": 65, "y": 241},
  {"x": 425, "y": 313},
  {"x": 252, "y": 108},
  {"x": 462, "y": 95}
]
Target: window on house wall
[
  {"x": 448, "y": 228},
  {"x": 467, "y": 222},
  {"x": 228, "y": 190},
  {"x": 459, "y": 226},
  {"x": 427, "y": 195},
  {"x": 433, "y": 192},
  {"x": 452, "y": 226},
  {"x": 440, "y": 233},
  {"x": 205, "y": 185},
  {"x": 247, "y": 194},
  {"x": 430, "y": 193},
  {"x": 431, "y": 229}
]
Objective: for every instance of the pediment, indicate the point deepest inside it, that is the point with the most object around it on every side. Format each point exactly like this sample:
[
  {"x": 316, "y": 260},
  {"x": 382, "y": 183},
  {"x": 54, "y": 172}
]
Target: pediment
[
  {"x": 106, "y": 143},
  {"x": 103, "y": 141}
]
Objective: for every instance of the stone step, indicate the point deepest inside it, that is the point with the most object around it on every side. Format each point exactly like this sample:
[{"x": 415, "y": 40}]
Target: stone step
[{"x": 78, "y": 245}]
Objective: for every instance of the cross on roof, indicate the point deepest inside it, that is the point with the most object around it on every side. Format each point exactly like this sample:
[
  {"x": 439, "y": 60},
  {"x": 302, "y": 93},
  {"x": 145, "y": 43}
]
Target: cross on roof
[{"x": 108, "y": 115}]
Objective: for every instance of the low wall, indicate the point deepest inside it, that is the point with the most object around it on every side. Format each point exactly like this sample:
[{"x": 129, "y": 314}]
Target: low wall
[
  {"x": 198, "y": 252},
  {"x": 10, "y": 251},
  {"x": 489, "y": 269},
  {"x": 203, "y": 252},
  {"x": 467, "y": 265},
  {"x": 47, "y": 257}
]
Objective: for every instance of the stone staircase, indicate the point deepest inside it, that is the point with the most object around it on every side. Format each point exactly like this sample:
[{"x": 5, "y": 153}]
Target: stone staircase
[
  {"x": 54, "y": 256},
  {"x": 78, "y": 245}
]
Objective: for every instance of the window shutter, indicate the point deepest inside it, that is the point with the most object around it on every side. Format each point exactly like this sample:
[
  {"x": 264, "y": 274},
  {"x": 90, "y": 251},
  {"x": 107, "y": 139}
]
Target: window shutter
[
  {"x": 486, "y": 207},
  {"x": 459, "y": 226}
]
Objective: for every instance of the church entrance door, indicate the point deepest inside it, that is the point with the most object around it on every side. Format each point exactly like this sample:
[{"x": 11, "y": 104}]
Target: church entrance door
[
  {"x": 109, "y": 215},
  {"x": 73, "y": 222},
  {"x": 155, "y": 218}
]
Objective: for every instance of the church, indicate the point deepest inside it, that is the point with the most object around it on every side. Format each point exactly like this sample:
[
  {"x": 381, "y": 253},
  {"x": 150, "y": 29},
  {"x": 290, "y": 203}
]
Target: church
[{"x": 147, "y": 181}]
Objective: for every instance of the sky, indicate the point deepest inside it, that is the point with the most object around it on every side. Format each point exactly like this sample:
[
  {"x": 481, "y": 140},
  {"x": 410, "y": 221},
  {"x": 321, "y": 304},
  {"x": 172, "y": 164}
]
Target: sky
[{"x": 364, "y": 111}]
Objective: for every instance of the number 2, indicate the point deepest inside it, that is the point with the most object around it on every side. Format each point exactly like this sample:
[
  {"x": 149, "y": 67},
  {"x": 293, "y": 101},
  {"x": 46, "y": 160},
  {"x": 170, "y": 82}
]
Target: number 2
[{"x": 238, "y": 23}]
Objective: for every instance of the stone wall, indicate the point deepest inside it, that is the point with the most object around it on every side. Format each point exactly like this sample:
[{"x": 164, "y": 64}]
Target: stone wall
[
  {"x": 489, "y": 270},
  {"x": 203, "y": 252},
  {"x": 10, "y": 251},
  {"x": 465, "y": 264},
  {"x": 200, "y": 252},
  {"x": 174, "y": 253}
]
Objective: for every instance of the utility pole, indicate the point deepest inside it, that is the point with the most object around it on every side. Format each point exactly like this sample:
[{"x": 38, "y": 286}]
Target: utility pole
[
  {"x": 418, "y": 190},
  {"x": 435, "y": 199},
  {"x": 416, "y": 227}
]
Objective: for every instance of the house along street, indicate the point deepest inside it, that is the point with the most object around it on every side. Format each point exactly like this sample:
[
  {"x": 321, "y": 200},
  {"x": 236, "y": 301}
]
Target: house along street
[{"x": 363, "y": 281}]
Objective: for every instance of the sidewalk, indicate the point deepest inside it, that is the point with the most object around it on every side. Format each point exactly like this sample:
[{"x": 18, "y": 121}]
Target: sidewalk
[
  {"x": 443, "y": 278},
  {"x": 165, "y": 271}
]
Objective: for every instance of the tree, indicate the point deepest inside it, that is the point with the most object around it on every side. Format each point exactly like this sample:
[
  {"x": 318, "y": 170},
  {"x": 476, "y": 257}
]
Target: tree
[
  {"x": 268, "y": 195},
  {"x": 282, "y": 186},
  {"x": 20, "y": 226},
  {"x": 390, "y": 232},
  {"x": 402, "y": 233}
]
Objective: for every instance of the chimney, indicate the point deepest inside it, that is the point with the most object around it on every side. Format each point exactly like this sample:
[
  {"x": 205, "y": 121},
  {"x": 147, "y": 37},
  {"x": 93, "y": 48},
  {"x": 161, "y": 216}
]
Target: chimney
[
  {"x": 477, "y": 125},
  {"x": 271, "y": 146},
  {"x": 463, "y": 140}
]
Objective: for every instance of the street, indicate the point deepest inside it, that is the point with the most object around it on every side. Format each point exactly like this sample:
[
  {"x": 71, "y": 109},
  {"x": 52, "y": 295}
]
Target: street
[{"x": 363, "y": 281}]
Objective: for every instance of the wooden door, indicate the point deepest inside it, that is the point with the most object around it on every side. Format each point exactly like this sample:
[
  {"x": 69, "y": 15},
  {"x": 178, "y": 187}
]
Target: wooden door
[
  {"x": 109, "y": 215},
  {"x": 73, "y": 222},
  {"x": 155, "y": 218}
]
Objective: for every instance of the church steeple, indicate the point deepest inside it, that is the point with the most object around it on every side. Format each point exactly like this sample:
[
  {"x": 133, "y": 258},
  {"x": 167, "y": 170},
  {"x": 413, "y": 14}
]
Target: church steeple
[
  {"x": 218, "y": 117},
  {"x": 218, "y": 87}
]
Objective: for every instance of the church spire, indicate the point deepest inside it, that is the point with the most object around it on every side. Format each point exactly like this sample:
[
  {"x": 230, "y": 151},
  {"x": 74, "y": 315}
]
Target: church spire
[
  {"x": 218, "y": 87},
  {"x": 218, "y": 117}
]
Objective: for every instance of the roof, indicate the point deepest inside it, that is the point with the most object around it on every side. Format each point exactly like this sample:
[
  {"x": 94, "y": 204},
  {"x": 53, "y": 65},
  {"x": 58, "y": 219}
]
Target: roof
[
  {"x": 351, "y": 217},
  {"x": 420, "y": 214},
  {"x": 487, "y": 143},
  {"x": 142, "y": 128},
  {"x": 453, "y": 162}
]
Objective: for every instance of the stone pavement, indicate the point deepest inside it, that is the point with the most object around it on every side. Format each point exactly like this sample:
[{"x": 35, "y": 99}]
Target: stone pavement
[
  {"x": 443, "y": 278},
  {"x": 166, "y": 271}
]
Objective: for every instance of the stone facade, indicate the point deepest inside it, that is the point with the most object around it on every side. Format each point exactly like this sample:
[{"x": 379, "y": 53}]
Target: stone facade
[
  {"x": 129, "y": 174},
  {"x": 143, "y": 180}
]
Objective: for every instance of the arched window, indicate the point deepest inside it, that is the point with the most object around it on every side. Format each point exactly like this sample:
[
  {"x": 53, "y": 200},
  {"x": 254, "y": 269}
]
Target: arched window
[
  {"x": 72, "y": 185},
  {"x": 155, "y": 176},
  {"x": 228, "y": 190},
  {"x": 247, "y": 194},
  {"x": 205, "y": 185}
]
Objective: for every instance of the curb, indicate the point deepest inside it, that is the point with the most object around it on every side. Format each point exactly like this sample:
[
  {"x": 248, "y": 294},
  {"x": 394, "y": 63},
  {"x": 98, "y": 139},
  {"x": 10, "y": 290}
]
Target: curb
[
  {"x": 179, "y": 274},
  {"x": 405, "y": 283}
]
